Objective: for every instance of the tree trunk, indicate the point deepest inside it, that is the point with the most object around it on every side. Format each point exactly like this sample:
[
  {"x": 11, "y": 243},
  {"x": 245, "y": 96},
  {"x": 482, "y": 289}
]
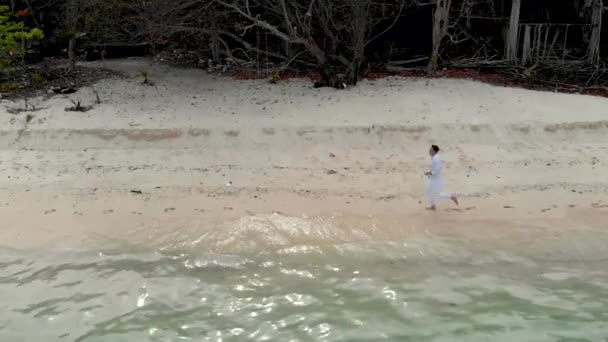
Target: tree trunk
[
  {"x": 329, "y": 77},
  {"x": 71, "y": 19},
  {"x": 440, "y": 27},
  {"x": 215, "y": 40},
  {"x": 215, "y": 48},
  {"x": 513, "y": 33},
  {"x": 357, "y": 68},
  {"x": 596, "y": 30},
  {"x": 72, "y": 53},
  {"x": 526, "y": 55}
]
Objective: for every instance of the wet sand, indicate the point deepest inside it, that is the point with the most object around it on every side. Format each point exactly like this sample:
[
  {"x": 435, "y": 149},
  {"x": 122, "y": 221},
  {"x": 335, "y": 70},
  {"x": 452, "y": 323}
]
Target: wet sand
[{"x": 197, "y": 160}]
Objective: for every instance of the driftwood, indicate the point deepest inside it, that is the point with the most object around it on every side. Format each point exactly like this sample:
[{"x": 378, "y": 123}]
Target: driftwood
[{"x": 409, "y": 61}]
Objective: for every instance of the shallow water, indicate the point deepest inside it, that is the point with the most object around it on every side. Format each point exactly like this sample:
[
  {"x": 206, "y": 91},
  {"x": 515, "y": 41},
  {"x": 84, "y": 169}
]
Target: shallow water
[{"x": 418, "y": 290}]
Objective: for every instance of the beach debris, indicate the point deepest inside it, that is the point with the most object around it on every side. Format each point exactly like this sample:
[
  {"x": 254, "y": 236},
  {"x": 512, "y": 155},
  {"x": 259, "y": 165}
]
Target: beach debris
[
  {"x": 387, "y": 198},
  {"x": 331, "y": 155},
  {"x": 229, "y": 183},
  {"x": 331, "y": 172},
  {"x": 508, "y": 207},
  {"x": 137, "y": 192},
  {"x": 61, "y": 90}
]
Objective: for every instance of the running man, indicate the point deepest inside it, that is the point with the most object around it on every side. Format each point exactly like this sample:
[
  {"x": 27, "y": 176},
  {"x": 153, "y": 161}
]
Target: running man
[{"x": 435, "y": 180}]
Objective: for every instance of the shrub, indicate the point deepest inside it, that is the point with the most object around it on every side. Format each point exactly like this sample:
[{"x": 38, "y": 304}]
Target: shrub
[{"x": 12, "y": 34}]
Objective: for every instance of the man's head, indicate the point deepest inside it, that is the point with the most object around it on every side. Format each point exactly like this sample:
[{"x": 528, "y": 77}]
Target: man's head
[{"x": 433, "y": 150}]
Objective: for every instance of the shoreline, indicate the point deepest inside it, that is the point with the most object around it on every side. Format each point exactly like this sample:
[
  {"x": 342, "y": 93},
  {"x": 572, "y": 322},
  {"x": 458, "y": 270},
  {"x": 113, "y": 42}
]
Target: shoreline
[{"x": 524, "y": 161}]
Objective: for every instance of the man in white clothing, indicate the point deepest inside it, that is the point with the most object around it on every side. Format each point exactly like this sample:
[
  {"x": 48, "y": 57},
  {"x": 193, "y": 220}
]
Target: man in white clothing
[{"x": 435, "y": 180}]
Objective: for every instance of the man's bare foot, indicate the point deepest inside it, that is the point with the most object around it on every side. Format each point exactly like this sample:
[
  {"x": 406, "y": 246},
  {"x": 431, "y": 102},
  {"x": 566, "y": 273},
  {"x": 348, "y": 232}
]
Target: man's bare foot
[
  {"x": 431, "y": 208},
  {"x": 455, "y": 199}
]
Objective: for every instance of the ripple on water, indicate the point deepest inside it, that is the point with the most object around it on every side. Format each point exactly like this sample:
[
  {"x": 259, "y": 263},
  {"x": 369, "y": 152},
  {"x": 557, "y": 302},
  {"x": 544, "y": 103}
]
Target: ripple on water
[{"x": 416, "y": 290}]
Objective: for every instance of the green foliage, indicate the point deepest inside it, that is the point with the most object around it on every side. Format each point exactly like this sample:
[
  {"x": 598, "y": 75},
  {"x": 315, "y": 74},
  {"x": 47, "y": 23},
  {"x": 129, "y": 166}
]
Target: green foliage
[
  {"x": 12, "y": 34},
  {"x": 37, "y": 79},
  {"x": 145, "y": 74},
  {"x": 78, "y": 107},
  {"x": 531, "y": 71},
  {"x": 10, "y": 86},
  {"x": 275, "y": 77}
]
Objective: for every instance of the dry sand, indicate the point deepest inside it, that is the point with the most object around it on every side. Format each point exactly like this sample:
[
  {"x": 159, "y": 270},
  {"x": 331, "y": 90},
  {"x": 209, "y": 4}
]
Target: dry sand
[{"x": 214, "y": 157}]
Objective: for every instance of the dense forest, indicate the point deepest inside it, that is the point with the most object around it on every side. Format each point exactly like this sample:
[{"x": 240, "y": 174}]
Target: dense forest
[{"x": 558, "y": 41}]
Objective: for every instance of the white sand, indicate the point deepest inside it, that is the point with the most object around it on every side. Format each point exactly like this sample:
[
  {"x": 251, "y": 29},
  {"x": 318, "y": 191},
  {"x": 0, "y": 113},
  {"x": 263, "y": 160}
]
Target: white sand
[{"x": 529, "y": 164}]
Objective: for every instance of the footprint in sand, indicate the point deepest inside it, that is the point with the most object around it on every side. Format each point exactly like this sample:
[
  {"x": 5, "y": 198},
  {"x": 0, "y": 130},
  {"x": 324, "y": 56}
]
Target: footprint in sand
[
  {"x": 169, "y": 209},
  {"x": 49, "y": 211},
  {"x": 108, "y": 211},
  {"x": 78, "y": 213}
]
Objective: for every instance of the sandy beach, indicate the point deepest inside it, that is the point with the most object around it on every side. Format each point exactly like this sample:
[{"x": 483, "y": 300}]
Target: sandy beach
[{"x": 202, "y": 160}]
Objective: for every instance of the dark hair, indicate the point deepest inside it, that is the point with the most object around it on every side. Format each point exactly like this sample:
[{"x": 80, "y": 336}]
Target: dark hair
[{"x": 435, "y": 148}]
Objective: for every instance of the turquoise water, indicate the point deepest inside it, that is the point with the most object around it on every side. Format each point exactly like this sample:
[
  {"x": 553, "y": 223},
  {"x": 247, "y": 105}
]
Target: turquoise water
[{"x": 393, "y": 291}]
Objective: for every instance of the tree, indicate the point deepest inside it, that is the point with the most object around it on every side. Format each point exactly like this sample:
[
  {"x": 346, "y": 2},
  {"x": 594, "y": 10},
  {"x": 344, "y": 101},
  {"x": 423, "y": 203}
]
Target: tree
[
  {"x": 103, "y": 20},
  {"x": 330, "y": 35},
  {"x": 512, "y": 40},
  {"x": 13, "y": 34},
  {"x": 441, "y": 17},
  {"x": 334, "y": 34},
  {"x": 597, "y": 10}
]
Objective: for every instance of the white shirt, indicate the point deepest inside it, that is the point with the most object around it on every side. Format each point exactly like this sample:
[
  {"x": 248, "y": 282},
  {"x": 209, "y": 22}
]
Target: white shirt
[{"x": 436, "y": 167}]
